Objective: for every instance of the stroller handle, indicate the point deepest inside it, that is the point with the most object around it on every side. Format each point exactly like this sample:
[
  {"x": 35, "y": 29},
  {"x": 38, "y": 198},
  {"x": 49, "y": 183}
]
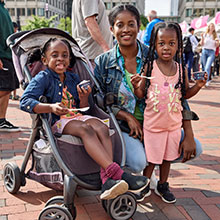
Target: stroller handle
[{"x": 11, "y": 39}]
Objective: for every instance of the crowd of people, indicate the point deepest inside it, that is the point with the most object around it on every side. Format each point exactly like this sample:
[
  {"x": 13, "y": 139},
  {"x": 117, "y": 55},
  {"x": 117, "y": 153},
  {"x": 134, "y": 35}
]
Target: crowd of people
[{"x": 149, "y": 80}]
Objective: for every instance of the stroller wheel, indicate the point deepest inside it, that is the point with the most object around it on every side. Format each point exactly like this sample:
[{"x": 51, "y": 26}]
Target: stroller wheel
[
  {"x": 104, "y": 204},
  {"x": 12, "y": 177},
  {"x": 58, "y": 200},
  {"x": 55, "y": 212},
  {"x": 123, "y": 207}
]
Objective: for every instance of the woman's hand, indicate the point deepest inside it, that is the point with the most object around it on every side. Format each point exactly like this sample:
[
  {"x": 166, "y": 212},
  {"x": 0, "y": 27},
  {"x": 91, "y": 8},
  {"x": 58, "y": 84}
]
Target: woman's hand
[
  {"x": 135, "y": 127},
  {"x": 138, "y": 84},
  {"x": 59, "y": 109},
  {"x": 136, "y": 80},
  {"x": 188, "y": 145},
  {"x": 83, "y": 95}
]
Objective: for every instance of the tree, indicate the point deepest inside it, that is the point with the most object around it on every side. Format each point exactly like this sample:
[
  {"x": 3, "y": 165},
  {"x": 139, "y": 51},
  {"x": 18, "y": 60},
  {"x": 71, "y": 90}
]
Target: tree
[
  {"x": 65, "y": 24},
  {"x": 144, "y": 22},
  {"x": 39, "y": 22}
]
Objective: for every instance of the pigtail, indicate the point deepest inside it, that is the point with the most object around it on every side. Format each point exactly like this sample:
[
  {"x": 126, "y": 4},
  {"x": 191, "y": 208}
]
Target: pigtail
[
  {"x": 34, "y": 56},
  {"x": 151, "y": 57},
  {"x": 180, "y": 61}
]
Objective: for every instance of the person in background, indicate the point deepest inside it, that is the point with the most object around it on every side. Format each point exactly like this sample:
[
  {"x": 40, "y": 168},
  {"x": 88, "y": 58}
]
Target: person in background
[
  {"x": 90, "y": 27},
  {"x": 196, "y": 57},
  {"x": 8, "y": 77},
  {"x": 153, "y": 19},
  {"x": 216, "y": 64},
  {"x": 189, "y": 51},
  {"x": 15, "y": 96},
  {"x": 209, "y": 42}
]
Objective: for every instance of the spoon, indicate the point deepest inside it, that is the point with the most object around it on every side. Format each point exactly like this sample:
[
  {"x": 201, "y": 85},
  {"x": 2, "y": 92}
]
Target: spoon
[
  {"x": 148, "y": 77},
  {"x": 79, "y": 109}
]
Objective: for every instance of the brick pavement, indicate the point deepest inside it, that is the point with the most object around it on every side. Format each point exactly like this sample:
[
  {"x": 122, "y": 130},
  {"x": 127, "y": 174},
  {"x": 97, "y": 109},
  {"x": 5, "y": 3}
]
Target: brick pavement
[{"x": 195, "y": 184}]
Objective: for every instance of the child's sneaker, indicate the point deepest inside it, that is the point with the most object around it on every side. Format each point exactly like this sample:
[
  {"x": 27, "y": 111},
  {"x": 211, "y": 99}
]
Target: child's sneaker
[
  {"x": 135, "y": 183},
  {"x": 143, "y": 194},
  {"x": 163, "y": 191},
  {"x": 113, "y": 188}
]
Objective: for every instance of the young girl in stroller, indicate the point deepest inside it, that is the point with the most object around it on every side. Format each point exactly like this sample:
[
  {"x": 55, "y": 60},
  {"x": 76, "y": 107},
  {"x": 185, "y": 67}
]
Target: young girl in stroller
[{"x": 63, "y": 95}]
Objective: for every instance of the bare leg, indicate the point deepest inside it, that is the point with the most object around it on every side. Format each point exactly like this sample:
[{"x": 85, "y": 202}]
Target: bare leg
[
  {"x": 91, "y": 142},
  {"x": 148, "y": 170},
  {"x": 4, "y": 93},
  {"x": 4, "y": 104},
  {"x": 164, "y": 171},
  {"x": 102, "y": 132}
]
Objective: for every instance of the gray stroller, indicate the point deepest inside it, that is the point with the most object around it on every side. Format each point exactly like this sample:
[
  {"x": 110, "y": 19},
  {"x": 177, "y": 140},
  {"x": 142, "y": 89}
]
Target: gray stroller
[{"x": 55, "y": 163}]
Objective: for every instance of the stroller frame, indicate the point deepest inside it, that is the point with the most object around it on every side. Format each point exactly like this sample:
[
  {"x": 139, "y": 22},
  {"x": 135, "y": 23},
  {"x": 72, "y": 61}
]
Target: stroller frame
[{"x": 15, "y": 177}]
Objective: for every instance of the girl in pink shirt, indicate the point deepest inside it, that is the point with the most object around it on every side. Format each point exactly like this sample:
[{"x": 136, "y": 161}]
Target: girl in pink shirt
[{"x": 164, "y": 83}]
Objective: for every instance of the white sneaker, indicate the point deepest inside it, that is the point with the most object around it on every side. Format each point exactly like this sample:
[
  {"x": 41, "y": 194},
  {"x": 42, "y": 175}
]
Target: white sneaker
[
  {"x": 207, "y": 83},
  {"x": 153, "y": 181}
]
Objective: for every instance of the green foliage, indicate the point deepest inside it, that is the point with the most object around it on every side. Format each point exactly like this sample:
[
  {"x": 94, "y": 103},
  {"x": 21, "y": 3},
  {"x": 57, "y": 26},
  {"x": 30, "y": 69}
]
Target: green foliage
[
  {"x": 65, "y": 24},
  {"x": 144, "y": 22},
  {"x": 39, "y": 22}
]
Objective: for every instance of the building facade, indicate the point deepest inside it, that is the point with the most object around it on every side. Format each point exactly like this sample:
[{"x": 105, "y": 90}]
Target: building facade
[
  {"x": 140, "y": 4},
  {"x": 22, "y": 10},
  {"x": 190, "y": 9}
]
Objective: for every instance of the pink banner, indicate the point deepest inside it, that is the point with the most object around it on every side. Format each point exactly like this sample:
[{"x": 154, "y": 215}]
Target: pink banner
[
  {"x": 184, "y": 26},
  {"x": 199, "y": 22},
  {"x": 217, "y": 18}
]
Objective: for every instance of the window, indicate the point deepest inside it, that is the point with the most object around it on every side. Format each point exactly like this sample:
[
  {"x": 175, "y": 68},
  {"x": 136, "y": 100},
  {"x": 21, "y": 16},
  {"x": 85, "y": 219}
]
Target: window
[
  {"x": 115, "y": 3},
  {"x": 20, "y": 11},
  {"x": 40, "y": 12},
  {"x": 210, "y": 12},
  {"x": 197, "y": 12},
  {"x": 108, "y": 5},
  {"x": 11, "y": 11},
  {"x": 188, "y": 12},
  {"x": 199, "y": 0},
  {"x": 188, "y": 0},
  {"x": 31, "y": 11}
]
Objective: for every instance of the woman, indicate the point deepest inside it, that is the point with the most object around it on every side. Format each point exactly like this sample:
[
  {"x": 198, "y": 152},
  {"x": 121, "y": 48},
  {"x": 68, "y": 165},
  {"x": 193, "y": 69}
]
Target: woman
[
  {"x": 113, "y": 71},
  {"x": 209, "y": 43}
]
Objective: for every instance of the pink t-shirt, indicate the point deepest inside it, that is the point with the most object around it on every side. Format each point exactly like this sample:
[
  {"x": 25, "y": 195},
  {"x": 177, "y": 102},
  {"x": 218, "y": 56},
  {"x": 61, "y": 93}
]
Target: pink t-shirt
[{"x": 163, "y": 110}]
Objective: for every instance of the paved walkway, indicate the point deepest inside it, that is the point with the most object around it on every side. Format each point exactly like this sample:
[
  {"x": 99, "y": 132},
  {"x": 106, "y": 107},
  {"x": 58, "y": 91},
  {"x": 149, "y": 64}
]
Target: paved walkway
[{"x": 195, "y": 184}]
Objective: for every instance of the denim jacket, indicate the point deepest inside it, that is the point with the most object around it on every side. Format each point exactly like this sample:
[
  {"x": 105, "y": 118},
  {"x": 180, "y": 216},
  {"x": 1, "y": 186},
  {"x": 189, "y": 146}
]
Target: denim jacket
[
  {"x": 48, "y": 83},
  {"x": 109, "y": 76}
]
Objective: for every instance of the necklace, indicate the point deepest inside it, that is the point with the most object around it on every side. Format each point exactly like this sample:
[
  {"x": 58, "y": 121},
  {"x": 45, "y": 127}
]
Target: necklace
[{"x": 166, "y": 83}]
